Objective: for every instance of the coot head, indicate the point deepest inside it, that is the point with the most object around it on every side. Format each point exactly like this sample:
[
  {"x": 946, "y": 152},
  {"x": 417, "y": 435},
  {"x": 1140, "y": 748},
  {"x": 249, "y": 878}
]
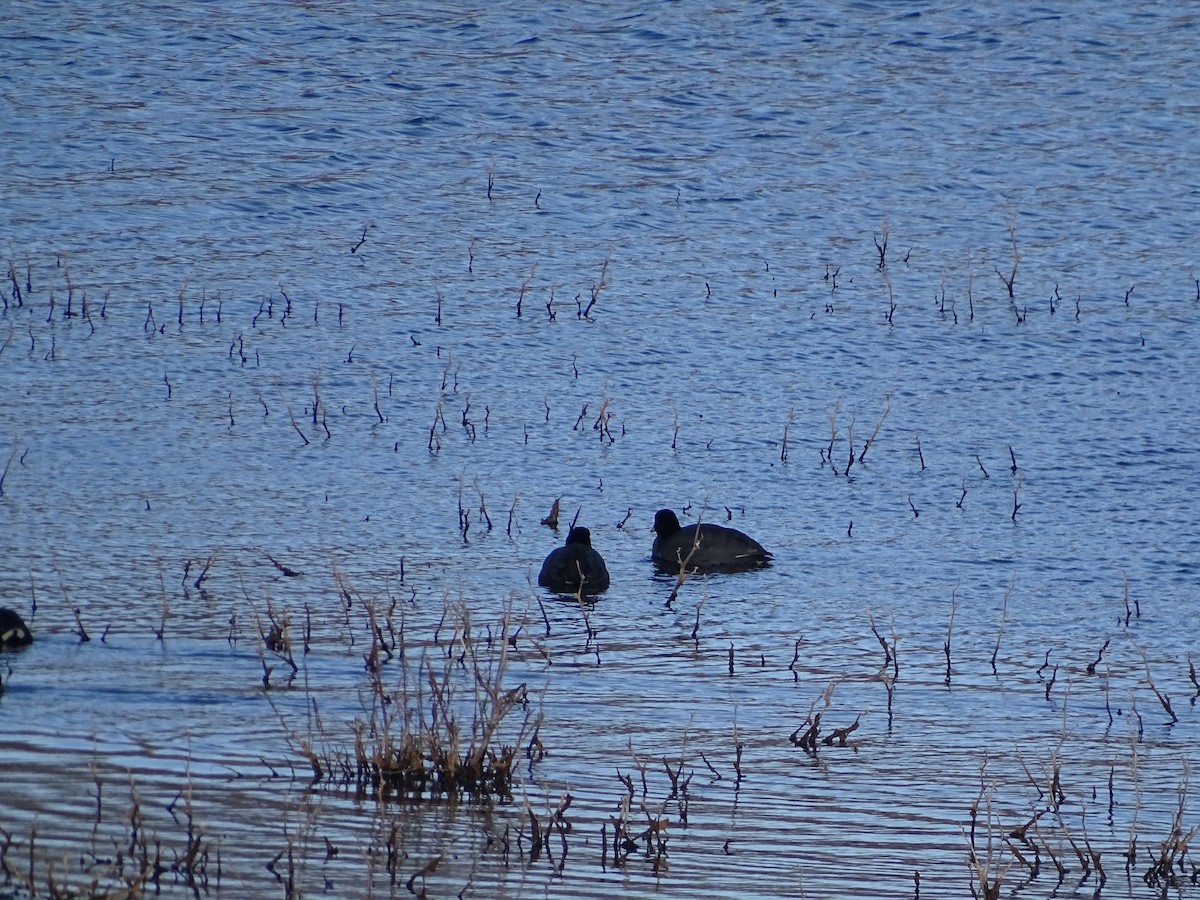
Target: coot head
[
  {"x": 579, "y": 535},
  {"x": 666, "y": 523}
]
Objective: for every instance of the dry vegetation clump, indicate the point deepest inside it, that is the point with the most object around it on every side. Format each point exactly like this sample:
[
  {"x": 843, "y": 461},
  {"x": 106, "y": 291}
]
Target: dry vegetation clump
[{"x": 438, "y": 714}]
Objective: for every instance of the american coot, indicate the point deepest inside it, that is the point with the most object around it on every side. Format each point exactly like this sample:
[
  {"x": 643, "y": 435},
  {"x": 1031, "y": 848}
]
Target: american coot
[
  {"x": 575, "y": 564},
  {"x": 720, "y": 549},
  {"x": 13, "y": 630}
]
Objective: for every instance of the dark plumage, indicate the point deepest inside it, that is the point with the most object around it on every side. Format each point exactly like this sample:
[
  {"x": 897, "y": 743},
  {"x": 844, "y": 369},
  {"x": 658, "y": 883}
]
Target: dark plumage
[
  {"x": 13, "y": 630},
  {"x": 575, "y": 564},
  {"x": 720, "y": 549}
]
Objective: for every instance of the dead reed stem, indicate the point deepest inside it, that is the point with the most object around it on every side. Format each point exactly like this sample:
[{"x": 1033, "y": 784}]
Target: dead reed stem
[
  {"x": 950, "y": 628},
  {"x": 1162, "y": 698},
  {"x": 1011, "y": 278},
  {"x": 7, "y": 466},
  {"x": 887, "y": 408},
  {"x": 1003, "y": 620},
  {"x": 783, "y": 447},
  {"x": 684, "y": 572}
]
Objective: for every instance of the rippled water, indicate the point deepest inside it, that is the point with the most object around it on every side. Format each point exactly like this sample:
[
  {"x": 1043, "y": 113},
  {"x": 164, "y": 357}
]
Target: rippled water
[{"x": 218, "y": 219}]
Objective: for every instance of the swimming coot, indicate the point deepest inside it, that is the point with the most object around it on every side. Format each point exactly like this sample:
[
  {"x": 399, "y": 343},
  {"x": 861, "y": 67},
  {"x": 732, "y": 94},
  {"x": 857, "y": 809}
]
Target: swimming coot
[
  {"x": 720, "y": 549},
  {"x": 13, "y": 630},
  {"x": 575, "y": 564}
]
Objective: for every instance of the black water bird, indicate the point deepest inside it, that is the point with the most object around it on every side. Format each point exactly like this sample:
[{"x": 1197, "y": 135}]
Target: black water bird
[
  {"x": 13, "y": 630},
  {"x": 575, "y": 565},
  {"x": 718, "y": 549}
]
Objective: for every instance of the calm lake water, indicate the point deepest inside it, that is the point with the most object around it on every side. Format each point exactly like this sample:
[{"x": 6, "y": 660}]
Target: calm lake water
[{"x": 313, "y": 312}]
